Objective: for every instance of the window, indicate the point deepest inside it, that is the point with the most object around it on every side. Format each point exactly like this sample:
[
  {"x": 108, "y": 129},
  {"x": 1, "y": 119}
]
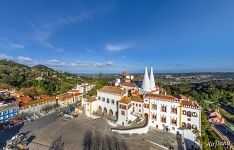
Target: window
[
  {"x": 174, "y": 110},
  {"x": 122, "y": 106},
  {"x": 103, "y": 99},
  {"x": 174, "y": 121},
  {"x": 184, "y": 112},
  {"x": 189, "y": 114},
  {"x": 139, "y": 105},
  {"x": 6, "y": 112},
  {"x": 183, "y": 125},
  {"x": 164, "y": 108},
  {"x": 99, "y": 98},
  {"x": 189, "y": 126},
  {"x": 194, "y": 127},
  {"x": 112, "y": 101},
  {"x": 146, "y": 105},
  {"x": 123, "y": 113},
  {"x": 163, "y": 119},
  {"x": 154, "y": 116},
  {"x": 108, "y": 100},
  {"x": 154, "y": 106},
  {"x": 133, "y": 104},
  {"x": 194, "y": 114},
  {"x": 136, "y": 104},
  {"x": 139, "y": 110},
  {"x": 1, "y": 113}
]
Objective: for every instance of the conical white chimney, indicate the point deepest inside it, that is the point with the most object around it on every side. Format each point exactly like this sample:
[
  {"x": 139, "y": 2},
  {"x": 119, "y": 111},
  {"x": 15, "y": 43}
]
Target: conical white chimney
[
  {"x": 152, "y": 82},
  {"x": 146, "y": 82}
]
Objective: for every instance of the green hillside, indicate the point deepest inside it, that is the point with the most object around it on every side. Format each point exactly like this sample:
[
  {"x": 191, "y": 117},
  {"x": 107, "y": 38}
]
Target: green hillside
[{"x": 37, "y": 80}]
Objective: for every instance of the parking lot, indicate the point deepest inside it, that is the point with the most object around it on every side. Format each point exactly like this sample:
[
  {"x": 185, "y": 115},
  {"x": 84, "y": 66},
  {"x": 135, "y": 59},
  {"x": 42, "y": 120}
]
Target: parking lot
[
  {"x": 73, "y": 130},
  {"x": 50, "y": 127},
  {"x": 31, "y": 127}
]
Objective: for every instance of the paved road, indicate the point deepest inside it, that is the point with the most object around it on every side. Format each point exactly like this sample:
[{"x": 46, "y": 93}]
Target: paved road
[
  {"x": 31, "y": 127},
  {"x": 222, "y": 129}
]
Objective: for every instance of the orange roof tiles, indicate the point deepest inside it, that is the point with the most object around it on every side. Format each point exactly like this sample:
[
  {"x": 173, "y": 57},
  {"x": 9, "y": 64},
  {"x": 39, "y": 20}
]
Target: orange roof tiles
[
  {"x": 137, "y": 79},
  {"x": 125, "y": 100},
  {"x": 188, "y": 103},
  {"x": 162, "y": 97},
  {"x": 76, "y": 94},
  {"x": 128, "y": 84},
  {"x": 64, "y": 97},
  {"x": 124, "y": 74},
  {"x": 23, "y": 99},
  {"x": 39, "y": 101},
  {"x": 112, "y": 89},
  {"x": 137, "y": 98},
  {"x": 91, "y": 98}
]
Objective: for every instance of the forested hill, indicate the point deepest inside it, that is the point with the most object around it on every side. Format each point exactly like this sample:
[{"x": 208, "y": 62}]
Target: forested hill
[{"x": 38, "y": 79}]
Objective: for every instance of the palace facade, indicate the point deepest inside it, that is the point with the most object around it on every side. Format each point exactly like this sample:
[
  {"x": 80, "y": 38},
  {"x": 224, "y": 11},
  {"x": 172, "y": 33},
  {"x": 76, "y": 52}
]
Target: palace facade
[{"x": 131, "y": 98}]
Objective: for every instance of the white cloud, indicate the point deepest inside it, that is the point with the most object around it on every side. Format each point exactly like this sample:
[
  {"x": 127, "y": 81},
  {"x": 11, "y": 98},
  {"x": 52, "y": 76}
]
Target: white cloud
[
  {"x": 24, "y": 59},
  {"x": 17, "y": 46},
  {"x": 117, "y": 47},
  {"x": 4, "y": 56}
]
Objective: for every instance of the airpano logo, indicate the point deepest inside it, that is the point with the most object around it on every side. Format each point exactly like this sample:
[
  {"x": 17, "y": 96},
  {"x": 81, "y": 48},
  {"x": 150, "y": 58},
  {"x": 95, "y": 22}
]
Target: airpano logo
[{"x": 219, "y": 143}]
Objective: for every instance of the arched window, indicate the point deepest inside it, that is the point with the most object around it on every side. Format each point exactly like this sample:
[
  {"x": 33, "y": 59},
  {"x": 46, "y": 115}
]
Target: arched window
[
  {"x": 194, "y": 127},
  {"x": 184, "y": 112},
  {"x": 189, "y": 114},
  {"x": 183, "y": 125},
  {"x": 100, "y": 108},
  {"x": 189, "y": 126},
  {"x": 194, "y": 114},
  {"x": 111, "y": 112}
]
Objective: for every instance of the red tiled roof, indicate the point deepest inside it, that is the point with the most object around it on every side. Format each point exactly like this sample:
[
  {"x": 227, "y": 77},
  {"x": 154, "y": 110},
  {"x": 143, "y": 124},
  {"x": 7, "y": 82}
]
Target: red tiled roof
[
  {"x": 188, "y": 103},
  {"x": 90, "y": 98},
  {"x": 137, "y": 79},
  {"x": 24, "y": 99},
  {"x": 137, "y": 98},
  {"x": 112, "y": 89},
  {"x": 124, "y": 74},
  {"x": 129, "y": 84},
  {"x": 162, "y": 97},
  {"x": 125, "y": 100}
]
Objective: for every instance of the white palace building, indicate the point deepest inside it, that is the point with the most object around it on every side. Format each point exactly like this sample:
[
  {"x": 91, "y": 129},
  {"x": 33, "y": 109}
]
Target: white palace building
[{"x": 131, "y": 99}]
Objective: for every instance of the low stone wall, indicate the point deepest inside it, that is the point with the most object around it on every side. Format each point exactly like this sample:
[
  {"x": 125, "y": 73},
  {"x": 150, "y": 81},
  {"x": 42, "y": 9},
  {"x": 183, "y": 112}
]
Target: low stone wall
[{"x": 142, "y": 130}]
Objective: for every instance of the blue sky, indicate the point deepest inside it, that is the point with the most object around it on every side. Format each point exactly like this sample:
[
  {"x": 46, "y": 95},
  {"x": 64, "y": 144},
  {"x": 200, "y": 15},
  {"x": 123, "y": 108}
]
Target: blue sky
[{"x": 114, "y": 36}]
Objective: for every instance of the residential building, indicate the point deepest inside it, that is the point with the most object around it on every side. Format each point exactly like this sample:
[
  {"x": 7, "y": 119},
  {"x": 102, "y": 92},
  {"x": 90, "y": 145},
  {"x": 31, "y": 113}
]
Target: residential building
[
  {"x": 8, "y": 112},
  {"x": 34, "y": 106},
  {"x": 216, "y": 117},
  {"x": 67, "y": 99}
]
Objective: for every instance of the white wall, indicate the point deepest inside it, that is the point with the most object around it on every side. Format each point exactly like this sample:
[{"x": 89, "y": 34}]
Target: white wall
[{"x": 109, "y": 105}]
